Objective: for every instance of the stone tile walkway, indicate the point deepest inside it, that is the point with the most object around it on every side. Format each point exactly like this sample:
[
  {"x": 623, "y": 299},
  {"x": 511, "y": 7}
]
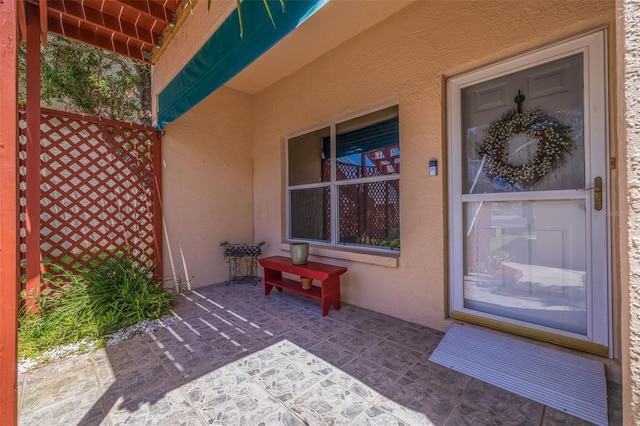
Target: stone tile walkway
[{"x": 238, "y": 357}]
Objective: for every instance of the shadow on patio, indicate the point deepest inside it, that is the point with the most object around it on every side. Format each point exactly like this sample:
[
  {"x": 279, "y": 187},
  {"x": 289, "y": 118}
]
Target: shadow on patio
[{"x": 239, "y": 358}]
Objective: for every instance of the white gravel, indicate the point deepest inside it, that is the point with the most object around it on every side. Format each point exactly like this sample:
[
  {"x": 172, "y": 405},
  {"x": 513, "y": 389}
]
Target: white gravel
[{"x": 140, "y": 329}]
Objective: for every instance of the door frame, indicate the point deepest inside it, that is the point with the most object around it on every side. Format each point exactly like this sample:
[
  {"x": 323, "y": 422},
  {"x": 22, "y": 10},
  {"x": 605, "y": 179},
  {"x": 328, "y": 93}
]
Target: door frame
[{"x": 594, "y": 50}]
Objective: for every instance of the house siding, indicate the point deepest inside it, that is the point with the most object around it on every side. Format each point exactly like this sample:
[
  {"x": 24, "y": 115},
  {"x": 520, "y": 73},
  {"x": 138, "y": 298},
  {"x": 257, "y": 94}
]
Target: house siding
[
  {"x": 628, "y": 133},
  {"x": 207, "y": 188},
  {"x": 404, "y": 59}
]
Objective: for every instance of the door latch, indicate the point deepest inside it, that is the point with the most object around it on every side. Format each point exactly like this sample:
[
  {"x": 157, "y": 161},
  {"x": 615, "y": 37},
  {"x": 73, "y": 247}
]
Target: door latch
[{"x": 597, "y": 193}]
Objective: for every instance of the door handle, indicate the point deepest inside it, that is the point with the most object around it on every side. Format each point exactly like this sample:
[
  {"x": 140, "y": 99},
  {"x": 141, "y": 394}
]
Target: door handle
[{"x": 597, "y": 193}]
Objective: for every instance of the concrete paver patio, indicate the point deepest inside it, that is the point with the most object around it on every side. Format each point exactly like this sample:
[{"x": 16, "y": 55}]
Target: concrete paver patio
[{"x": 238, "y": 357}]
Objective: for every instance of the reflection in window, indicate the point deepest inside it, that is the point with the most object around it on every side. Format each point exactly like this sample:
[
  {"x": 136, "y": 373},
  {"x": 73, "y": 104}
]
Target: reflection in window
[{"x": 361, "y": 167}]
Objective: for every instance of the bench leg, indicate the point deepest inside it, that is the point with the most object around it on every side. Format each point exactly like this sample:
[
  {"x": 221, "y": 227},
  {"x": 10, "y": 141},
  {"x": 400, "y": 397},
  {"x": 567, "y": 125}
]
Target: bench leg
[
  {"x": 270, "y": 274},
  {"x": 330, "y": 294}
]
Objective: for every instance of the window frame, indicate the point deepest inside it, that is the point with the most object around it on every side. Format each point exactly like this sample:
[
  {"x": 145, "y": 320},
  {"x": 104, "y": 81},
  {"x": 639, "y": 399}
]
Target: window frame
[{"x": 334, "y": 185}]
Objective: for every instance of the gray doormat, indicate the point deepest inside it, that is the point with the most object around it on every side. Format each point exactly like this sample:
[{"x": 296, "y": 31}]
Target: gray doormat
[{"x": 566, "y": 382}]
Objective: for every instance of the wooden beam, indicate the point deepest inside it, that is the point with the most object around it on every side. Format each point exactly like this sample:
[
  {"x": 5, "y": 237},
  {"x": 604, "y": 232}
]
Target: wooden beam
[
  {"x": 97, "y": 40},
  {"x": 74, "y": 11},
  {"x": 32, "y": 193},
  {"x": 22, "y": 19},
  {"x": 43, "y": 22},
  {"x": 9, "y": 211},
  {"x": 157, "y": 11}
]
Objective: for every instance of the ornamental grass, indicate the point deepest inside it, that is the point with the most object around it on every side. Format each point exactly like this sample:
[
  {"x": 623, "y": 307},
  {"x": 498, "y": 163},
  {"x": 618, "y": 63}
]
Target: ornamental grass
[{"x": 91, "y": 304}]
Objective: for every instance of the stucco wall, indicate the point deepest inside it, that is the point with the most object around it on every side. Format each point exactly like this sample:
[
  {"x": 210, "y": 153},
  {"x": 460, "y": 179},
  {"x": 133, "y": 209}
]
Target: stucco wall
[
  {"x": 628, "y": 129},
  {"x": 403, "y": 60},
  {"x": 207, "y": 187}
]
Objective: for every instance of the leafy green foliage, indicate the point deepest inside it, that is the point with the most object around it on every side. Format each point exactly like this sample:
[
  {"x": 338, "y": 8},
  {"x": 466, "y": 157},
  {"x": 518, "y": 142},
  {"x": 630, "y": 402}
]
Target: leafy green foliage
[
  {"x": 123, "y": 292},
  {"x": 117, "y": 293},
  {"x": 65, "y": 317},
  {"x": 84, "y": 79}
]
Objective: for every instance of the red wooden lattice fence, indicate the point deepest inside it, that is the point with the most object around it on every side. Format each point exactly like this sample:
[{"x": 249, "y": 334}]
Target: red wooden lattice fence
[{"x": 98, "y": 192}]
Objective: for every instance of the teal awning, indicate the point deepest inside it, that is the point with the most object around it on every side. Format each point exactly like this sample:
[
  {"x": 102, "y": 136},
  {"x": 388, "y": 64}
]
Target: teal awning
[{"x": 225, "y": 54}]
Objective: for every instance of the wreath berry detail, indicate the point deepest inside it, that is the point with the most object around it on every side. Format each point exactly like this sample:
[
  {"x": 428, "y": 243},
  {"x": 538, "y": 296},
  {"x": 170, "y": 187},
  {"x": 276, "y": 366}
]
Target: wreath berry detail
[{"x": 554, "y": 145}]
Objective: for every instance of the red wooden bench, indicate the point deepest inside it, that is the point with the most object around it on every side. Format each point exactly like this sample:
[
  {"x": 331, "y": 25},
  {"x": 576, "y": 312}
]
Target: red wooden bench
[{"x": 329, "y": 276}]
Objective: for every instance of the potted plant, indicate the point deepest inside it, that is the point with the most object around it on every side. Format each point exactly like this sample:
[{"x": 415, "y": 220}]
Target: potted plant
[{"x": 306, "y": 282}]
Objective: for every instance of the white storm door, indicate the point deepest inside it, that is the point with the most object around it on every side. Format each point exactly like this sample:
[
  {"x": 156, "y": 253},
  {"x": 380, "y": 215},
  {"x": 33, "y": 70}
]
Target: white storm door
[{"x": 533, "y": 257}]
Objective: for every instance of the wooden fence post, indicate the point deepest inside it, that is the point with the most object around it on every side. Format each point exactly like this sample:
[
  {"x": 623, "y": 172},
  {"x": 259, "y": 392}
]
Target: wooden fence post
[
  {"x": 33, "y": 158},
  {"x": 9, "y": 211}
]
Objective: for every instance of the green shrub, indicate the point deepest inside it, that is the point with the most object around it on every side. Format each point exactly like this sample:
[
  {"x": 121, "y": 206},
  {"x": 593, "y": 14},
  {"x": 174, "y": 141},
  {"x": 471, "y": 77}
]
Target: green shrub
[
  {"x": 117, "y": 293},
  {"x": 64, "y": 316},
  {"x": 123, "y": 292}
]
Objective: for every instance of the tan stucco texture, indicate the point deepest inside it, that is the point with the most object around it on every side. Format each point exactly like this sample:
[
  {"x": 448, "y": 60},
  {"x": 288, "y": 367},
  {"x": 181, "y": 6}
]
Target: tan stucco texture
[
  {"x": 628, "y": 131},
  {"x": 207, "y": 188},
  {"x": 224, "y": 176}
]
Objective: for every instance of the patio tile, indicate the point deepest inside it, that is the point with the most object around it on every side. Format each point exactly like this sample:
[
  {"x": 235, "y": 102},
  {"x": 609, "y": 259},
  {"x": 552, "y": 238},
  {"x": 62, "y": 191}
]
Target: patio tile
[
  {"x": 241, "y": 358},
  {"x": 418, "y": 339},
  {"x": 328, "y": 403},
  {"x": 170, "y": 338},
  {"x": 70, "y": 411},
  {"x": 161, "y": 408},
  {"x": 437, "y": 403},
  {"x": 431, "y": 373},
  {"x": 228, "y": 396},
  {"x": 351, "y": 315},
  {"x": 380, "y": 326},
  {"x": 490, "y": 399},
  {"x": 365, "y": 378},
  {"x": 294, "y": 376},
  {"x": 301, "y": 338},
  {"x": 297, "y": 316},
  {"x": 190, "y": 361},
  {"x": 270, "y": 327},
  {"x": 240, "y": 310},
  {"x": 231, "y": 347},
  {"x": 333, "y": 353},
  {"x": 392, "y": 356},
  {"x": 148, "y": 379},
  {"x": 49, "y": 386},
  {"x": 192, "y": 307},
  {"x": 405, "y": 414},
  {"x": 553, "y": 417},
  {"x": 355, "y": 340},
  {"x": 216, "y": 322},
  {"x": 62, "y": 366},
  {"x": 263, "y": 360},
  {"x": 465, "y": 415},
  {"x": 126, "y": 356},
  {"x": 325, "y": 327},
  {"x": 283, "y": 417},
  {"x": 213, "y": 298},
  {"x": 374, "y": 416}
]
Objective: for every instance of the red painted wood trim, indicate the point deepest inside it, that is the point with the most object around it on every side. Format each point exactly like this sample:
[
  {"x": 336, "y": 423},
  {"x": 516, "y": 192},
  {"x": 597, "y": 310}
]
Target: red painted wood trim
[
  {"x": 329, "y": 276},
  {"x": 33, "y": 157},
  {"x": 9, "y": 212},
  {"x": 158, "y": 238},
  {"x": 43, "y": 21},
  {"x": 22, "y": 19},
  {"x": 93, "y": 119},
  {"x": 316, "y": 270}
]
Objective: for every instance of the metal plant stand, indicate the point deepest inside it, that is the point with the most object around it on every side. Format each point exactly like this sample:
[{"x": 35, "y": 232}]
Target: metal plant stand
[{"x": 242, "y": 260}]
